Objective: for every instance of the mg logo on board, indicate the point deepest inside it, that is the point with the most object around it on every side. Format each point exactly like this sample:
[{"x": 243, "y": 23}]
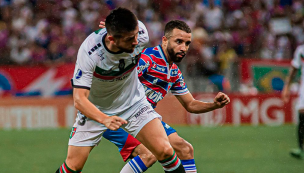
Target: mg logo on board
[{"x": 209, "y": 119}]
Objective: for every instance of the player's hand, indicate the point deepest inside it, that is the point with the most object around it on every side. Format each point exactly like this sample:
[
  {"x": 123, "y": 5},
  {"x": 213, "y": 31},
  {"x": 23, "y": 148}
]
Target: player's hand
[
  {"x": 221, "y": 100},
  {"x": 285, "y": 95},
  {"x": 114, "y": 122},
  {"x": 102, "y": 24}
]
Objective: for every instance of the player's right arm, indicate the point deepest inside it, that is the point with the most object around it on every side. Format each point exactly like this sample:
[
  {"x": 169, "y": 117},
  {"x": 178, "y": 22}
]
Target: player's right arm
[
  {"x": 295, "y": 65},
  {"x": 82, "y": 81},
  {"x": 286, "y": 89},
  {"x": 82, "y": 104}
]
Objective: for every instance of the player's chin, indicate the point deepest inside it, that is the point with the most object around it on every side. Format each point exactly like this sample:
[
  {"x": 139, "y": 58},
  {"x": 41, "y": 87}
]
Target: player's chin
[
  {"x": 178, "y": 60},
  {"x": 129, "y": 51}
]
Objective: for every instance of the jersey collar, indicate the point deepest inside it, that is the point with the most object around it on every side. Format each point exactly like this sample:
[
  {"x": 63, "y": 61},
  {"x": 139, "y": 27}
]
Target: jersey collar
[
  {"x": 162, "y": 54},
  {"x": 105, "y": 46}
]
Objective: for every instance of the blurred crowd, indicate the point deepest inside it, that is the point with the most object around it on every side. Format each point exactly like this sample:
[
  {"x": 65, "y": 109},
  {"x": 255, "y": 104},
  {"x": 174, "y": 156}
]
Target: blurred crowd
[{"x": 49, "y": 32}]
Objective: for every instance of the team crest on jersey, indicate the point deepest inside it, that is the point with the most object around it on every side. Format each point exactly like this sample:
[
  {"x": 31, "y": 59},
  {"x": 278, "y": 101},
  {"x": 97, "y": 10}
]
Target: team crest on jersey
[
  {"x": 135, "y": 59},
  {"x": 73, "y": 132},
  {"x": 302, "y": 56},
  {"x": 78, "y": 74},
  {"x": 121, "y": 65}
]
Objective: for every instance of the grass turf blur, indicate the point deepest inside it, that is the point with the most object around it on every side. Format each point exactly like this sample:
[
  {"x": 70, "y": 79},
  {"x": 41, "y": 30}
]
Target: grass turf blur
[{"x": 226, "y": 149}]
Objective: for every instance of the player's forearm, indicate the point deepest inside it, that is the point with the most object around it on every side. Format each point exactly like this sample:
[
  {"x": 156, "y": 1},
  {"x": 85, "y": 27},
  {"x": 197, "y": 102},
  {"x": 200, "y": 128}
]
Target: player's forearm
[
  {"x": 197, "y": 106},
  {"x": 290, "y": 77},
  {"x": 89, "y": 110}
]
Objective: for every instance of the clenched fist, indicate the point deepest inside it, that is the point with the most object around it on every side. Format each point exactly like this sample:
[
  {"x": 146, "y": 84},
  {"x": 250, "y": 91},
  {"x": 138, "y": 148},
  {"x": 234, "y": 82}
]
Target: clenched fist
[
  {"x": 221, "y": 100},
  {"x": 114, "y": 122}
]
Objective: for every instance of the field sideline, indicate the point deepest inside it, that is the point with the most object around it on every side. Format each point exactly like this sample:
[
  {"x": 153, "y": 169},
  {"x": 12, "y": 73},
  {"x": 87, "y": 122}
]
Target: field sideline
[{"x": 226, "y": 149}]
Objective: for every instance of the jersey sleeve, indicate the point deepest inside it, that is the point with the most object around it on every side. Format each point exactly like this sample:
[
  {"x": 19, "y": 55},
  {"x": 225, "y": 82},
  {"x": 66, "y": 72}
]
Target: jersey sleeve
[
  {"x": 84, "y": 69},
  {"x": 144, "y": 64},
  {"x": 296, "y": 61},
  {"x": 179, "y": 87},
  {"x": 143, "y": 37}
]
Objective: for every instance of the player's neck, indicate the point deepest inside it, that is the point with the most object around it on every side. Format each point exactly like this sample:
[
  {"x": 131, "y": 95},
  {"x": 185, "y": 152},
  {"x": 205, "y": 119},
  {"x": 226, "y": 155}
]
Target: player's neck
[
  {"x": 167, "y": 55},
  {"x": 110, "y": 45}
]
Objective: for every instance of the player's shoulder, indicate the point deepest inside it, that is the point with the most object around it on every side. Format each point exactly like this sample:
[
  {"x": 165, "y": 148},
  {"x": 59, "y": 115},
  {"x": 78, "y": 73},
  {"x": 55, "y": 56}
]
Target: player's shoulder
[
  {"x": 142, "y": 27},
  {"x": 175, "y": 71},
  {"x": 152, "y": 52},
  {"x": 94, "y": 40},
  {"x": 143, "y": 36},
  {"x": 300, "y": 48}
]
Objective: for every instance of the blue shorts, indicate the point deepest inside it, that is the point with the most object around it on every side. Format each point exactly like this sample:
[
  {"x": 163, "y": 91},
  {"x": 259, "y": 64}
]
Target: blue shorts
[{"x": 125, "y": 142}]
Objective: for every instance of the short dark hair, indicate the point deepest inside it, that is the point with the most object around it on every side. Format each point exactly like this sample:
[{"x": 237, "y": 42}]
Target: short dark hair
[
  {"x": 178, "y": 24},
  {"x": 120, "y": 20}
]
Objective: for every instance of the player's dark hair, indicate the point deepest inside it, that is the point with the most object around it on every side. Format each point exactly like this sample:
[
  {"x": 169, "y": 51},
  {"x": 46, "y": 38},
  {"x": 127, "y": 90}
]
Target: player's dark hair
[
  {"x": 119, "y": 21},
  {"x": 176, "y": 24}
]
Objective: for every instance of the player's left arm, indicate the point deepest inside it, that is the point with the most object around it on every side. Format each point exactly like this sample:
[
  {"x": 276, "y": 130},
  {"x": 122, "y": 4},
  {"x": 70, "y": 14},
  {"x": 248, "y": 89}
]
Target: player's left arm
[{"x": 196, "y": 106}]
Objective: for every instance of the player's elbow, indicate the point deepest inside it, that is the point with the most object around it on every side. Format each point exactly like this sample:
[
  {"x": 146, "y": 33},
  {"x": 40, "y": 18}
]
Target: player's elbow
[
  {"x": 191, "y": 108},
  {"x": 193, "y": 111},
  {"x": 77, "y": 103}
]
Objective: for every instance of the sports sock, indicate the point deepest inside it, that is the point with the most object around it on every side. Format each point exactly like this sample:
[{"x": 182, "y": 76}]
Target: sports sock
[
  {"x": 172, "y": 164},
  {"x": 189, "y": 166},
  {"x": 65, "y": 169},
  {"x": 301, "y": 130},
  {"x": 135, "y": 165}
]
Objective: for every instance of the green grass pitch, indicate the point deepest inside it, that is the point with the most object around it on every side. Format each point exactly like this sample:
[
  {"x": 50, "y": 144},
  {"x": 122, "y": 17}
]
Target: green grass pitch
[{"x": 226, "y": 149}]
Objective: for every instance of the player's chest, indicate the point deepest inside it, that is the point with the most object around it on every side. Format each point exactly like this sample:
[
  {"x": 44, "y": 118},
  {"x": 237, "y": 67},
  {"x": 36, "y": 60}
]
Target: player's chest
[{"x": 117, "y": 63}]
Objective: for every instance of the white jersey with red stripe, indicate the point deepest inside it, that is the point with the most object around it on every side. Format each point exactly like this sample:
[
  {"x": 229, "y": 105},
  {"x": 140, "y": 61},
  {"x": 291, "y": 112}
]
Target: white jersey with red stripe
[
  {"x": 111, "y": 77},
  {"x": 298, "y": 62}
]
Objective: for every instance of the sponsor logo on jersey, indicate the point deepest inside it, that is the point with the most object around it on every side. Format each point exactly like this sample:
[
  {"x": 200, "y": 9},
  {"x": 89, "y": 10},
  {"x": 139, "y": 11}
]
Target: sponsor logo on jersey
[
  {"x": 115, "y": 79},
  {"x": 101, "y": 56},
  {"x": 142, "y": 67},
  {"x": 78, "y": 74},
  {"x": 158, "y": 68},
  {"x": 153, "y": 95},
  {"x": 174, "y": 72}
]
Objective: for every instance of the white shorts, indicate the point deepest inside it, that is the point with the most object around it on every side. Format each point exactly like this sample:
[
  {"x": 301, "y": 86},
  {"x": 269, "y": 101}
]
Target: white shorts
[{"x": 87, "y": 132}]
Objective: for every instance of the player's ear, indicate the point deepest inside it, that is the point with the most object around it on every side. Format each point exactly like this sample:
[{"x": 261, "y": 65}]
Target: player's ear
[
  {"x": 164, "y": 40},
  {"x": 111, "y": 38}
]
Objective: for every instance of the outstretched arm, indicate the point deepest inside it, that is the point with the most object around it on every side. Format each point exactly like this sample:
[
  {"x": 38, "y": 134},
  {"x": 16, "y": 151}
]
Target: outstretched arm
[
  {"x": 195, "y": 106},
  {"x": 286, "y": 89}
]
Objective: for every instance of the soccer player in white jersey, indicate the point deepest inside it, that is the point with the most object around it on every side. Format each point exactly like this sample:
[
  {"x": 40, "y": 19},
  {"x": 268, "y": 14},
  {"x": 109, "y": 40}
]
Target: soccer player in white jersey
[
  {"x": 108, "y": 94},
  {"x": 297, "y": 63}
]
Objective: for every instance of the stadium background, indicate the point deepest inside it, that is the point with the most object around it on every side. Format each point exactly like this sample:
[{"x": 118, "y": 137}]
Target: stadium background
[{"x": 240, "y": 47}]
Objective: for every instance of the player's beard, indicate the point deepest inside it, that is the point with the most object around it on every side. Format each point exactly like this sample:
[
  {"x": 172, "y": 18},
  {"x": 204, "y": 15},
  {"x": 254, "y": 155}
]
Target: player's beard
[
  {"x": 174, "y": 56},
  {"x": 123, "y": 49},
  {"x": 127, "y": 50}
]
